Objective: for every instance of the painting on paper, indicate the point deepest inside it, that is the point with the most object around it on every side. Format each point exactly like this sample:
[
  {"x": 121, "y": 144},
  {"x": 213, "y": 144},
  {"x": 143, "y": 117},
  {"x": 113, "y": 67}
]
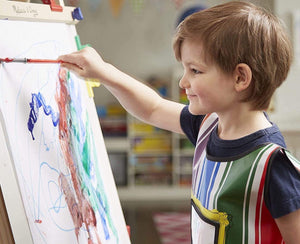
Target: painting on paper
[{"x": 55, "y": 141}]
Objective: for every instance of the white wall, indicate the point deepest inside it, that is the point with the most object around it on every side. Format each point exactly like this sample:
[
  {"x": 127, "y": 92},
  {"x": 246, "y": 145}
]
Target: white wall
[
  {"x": 287, "y": 102},
  {"x": 138, "y": 44}
]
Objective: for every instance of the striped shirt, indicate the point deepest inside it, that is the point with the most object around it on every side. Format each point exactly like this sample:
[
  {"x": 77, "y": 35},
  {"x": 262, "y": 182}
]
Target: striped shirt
[{"x": 228, "y": 195}]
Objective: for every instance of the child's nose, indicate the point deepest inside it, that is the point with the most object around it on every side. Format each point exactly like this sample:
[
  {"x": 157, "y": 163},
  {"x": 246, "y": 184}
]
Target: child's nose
[{"x": 183, "y": 83}]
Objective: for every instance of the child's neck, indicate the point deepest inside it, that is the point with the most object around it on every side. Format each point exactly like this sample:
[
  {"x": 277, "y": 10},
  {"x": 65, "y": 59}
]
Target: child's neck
[{"x": 239, "y": 124}]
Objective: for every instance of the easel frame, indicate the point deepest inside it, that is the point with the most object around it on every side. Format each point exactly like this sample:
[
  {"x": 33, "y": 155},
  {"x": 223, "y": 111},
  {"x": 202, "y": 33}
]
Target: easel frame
[
  {"x": 14, "y": 10},
  {"x": 6, "y": 235},
  {"x": 12, "y": 195}
]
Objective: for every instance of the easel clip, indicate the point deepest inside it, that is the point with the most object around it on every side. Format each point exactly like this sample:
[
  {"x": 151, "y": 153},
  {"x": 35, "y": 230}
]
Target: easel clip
[
  {"x": 53, "y": 5},
  {"x": 77, "y": 14}
]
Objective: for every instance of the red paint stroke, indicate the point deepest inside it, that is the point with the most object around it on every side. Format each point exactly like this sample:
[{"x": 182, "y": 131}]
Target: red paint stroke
[{"x": 79, "y": 207}]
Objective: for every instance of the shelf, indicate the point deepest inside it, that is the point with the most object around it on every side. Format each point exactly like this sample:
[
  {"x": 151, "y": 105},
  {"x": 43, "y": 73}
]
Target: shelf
[
  {"x": 158, "y": 163},
  {"x": 184, "y": 153},
  {"x": 151, "y": 193},
  {"x": 117, "y": 144},
  {"x": 151, "y": 153},
  {"x": 141, "y": 129},
  {"x": 184, "y": 171}
]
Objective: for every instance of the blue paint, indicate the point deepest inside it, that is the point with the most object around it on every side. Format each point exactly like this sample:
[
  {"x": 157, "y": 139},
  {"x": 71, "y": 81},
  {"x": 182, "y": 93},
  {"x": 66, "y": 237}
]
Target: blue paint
[{"x": 37, "y": 101}]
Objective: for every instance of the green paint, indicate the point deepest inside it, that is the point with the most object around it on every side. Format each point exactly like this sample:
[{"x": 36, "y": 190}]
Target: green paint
[
  {"x": 86, "y": 155},
  {"x": 78, "y": 43},
  {"x": 100, "y": 187}
]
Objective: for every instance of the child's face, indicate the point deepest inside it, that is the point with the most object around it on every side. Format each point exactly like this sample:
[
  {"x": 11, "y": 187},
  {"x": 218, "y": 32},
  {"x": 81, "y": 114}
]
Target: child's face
[{"x": 208, "y": 89}]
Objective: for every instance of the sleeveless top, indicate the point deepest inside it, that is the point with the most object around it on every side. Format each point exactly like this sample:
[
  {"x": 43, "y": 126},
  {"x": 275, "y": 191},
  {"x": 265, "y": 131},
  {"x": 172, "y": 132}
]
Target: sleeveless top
[{"x": 228, "y": 195}]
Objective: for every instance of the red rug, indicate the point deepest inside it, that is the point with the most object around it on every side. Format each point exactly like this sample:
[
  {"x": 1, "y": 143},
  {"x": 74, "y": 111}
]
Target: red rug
[{"x": 173, "y": 227}]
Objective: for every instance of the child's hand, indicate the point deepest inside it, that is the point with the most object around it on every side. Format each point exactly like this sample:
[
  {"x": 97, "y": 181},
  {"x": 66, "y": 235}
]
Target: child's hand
[{"x": 86, "y": 63}]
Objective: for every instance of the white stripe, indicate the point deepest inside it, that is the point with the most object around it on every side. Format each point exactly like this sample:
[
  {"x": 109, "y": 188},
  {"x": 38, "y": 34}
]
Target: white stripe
[
  {"x": 216, "y": 184},
  {"x": 207, "y": 123},
  {"x": 199, "y": 166},
  {"x": 293, "y": 160},
  {"x": 208, "y": 134},
  {"x": 254, "y": 195},
  {"x": 251, "y": 236},
  {"x": 220, "y": 188}
]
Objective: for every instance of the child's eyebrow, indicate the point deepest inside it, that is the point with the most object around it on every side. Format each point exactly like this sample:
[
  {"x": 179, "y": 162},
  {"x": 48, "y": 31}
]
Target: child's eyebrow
[{"x": 196, "y": 63}]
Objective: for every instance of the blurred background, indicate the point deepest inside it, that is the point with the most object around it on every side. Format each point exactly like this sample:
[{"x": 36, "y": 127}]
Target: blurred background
[{"x": 152, "y": 167}]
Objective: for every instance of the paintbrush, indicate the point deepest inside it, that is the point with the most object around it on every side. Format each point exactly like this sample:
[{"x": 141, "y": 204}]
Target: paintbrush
[{"x": 29, "y": 60}]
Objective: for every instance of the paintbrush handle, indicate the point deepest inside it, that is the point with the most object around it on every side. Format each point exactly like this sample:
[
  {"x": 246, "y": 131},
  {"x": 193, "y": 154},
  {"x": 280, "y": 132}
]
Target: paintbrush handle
[{"x": 29, "y": 60}]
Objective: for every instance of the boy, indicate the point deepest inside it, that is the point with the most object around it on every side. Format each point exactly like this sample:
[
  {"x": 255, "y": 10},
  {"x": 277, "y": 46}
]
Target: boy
[{"x": 245, "y": 186}]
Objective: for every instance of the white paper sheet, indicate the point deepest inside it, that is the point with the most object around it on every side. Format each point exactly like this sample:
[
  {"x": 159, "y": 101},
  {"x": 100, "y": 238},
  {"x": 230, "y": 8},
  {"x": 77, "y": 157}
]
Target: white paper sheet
[{"x": 55, "y": 140}]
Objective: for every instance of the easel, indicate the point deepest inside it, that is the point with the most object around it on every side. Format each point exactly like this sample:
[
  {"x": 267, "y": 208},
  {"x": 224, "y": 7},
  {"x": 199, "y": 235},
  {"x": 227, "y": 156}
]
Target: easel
[
  {"x": 12, "y": 212},
  {"x": 5, "y": 229},
  {"x": 50, "y": 11}
]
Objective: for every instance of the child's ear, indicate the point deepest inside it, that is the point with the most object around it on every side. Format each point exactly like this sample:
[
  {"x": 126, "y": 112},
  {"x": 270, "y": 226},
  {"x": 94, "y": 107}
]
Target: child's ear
[{"x": 243, "y": 77}]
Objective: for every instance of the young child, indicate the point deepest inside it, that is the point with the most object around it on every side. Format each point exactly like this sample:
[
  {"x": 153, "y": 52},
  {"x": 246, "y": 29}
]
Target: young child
[{"x": 246, "y": 185}]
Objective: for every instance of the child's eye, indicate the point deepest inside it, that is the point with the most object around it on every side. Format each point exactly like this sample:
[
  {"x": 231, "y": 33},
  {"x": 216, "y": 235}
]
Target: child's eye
[{"x": 195, "y": 71}]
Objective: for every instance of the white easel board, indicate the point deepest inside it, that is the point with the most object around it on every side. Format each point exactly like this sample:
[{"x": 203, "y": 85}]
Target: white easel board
[{"x": 55, "y": 174}]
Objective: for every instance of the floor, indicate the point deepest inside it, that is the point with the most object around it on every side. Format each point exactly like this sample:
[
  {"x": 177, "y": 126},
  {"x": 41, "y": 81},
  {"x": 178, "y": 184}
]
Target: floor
[{"x": 138, "y": 215}]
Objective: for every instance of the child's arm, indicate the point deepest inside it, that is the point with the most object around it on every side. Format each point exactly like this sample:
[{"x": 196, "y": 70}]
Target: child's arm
[
  {"x": 137, "y": 98},
  {"x": 289, "y": 226}
]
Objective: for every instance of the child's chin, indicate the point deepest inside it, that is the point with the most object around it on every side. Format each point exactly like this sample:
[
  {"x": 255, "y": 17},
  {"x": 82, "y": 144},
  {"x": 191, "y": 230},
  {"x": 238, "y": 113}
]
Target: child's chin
[{"x": 193, "y": 110}]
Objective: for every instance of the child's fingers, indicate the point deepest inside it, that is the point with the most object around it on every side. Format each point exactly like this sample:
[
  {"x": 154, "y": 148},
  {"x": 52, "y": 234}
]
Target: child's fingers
[
  {"x": 69, "y": 58},
  {"x": 73, "y": 67},
  {"x": 82, "y": 62}
]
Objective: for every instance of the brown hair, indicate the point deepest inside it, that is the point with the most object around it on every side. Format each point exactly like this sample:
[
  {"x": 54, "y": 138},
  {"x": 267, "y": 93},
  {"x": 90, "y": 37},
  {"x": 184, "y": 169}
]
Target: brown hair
[{"x": 241, "y": 32}]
